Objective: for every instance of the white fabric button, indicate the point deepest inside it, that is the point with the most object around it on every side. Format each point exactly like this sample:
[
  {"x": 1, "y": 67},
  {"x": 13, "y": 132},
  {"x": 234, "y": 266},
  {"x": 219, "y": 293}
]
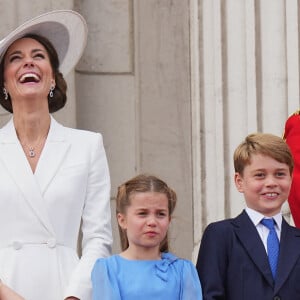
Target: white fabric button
[
  {"x": 17, "y": 245},
  {"x": 51, "y": 243}
]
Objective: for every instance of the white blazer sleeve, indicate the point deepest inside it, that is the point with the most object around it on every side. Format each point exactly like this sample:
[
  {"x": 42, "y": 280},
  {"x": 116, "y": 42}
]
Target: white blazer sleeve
[{"x": 96, "y": 223}]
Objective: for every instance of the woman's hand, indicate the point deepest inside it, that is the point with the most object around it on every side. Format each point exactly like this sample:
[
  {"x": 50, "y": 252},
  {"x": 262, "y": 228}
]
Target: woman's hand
[{"x": 8, "y": 294}]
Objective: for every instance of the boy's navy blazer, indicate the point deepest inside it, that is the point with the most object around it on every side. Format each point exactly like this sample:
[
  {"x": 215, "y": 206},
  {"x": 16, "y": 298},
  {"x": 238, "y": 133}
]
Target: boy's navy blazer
[{"x": 233, "y": 264}]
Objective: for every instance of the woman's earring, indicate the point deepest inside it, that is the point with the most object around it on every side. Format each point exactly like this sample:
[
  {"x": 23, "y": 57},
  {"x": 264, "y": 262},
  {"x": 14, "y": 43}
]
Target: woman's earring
[
  {"x": 51, "y": 91},
  {"x": 5, "y": 93}
]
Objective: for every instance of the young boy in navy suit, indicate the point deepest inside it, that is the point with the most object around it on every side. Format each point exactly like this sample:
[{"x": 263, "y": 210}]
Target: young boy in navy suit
[{"x": 241, "y": 258}]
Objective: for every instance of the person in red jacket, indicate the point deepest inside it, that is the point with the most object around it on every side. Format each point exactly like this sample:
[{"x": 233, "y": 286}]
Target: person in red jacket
[{"x": 292, "y": 138}]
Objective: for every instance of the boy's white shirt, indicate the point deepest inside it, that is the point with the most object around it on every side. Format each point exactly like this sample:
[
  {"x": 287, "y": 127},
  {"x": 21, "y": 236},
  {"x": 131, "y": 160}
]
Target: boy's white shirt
[{"x": 262, "y": 230}]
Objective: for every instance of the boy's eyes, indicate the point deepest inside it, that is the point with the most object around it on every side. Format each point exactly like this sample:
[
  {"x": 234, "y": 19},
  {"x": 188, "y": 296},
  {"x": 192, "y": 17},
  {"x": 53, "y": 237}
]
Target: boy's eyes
[
  {"x": 280, "y": 174},
  {"x": 259, "y": 175},
  {"x": 141, "y": 213},
  {"x": 277, "y": 174}
]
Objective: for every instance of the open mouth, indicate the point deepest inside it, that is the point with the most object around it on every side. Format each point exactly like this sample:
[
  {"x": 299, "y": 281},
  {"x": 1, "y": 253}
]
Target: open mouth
[
  {"x": 29, "y": 77},
  {"x": 271, "y": 196}
]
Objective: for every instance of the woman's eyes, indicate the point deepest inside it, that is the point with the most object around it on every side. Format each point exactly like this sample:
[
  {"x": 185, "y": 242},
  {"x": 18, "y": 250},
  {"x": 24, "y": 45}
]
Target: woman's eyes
[
  {"x": 14, "y": 57},
  {"x": 35, "y": 56},
  {"x": 39, "y": 55}
]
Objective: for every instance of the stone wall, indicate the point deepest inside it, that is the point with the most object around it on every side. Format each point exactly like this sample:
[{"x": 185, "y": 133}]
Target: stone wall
[{"x": 174, "y": 86}]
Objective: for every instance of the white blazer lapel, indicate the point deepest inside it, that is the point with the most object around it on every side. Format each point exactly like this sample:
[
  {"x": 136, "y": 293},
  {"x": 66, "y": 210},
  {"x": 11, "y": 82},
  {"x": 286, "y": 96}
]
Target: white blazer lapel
[
  {"x": 14, "y": 159},
  {"x": 53, "y": 154}
]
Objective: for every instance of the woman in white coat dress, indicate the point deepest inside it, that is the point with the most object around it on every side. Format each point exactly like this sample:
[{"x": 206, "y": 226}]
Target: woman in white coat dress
[{"x": 53, "y": 180}]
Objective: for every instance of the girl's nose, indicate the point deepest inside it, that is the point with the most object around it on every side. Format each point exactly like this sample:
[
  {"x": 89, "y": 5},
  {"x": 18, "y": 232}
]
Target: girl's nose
[{"x": 151, "y": 221}]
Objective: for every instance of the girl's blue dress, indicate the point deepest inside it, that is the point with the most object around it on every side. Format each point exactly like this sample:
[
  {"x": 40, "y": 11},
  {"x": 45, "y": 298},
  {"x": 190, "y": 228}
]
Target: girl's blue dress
[{"x": 171, "y": 278}]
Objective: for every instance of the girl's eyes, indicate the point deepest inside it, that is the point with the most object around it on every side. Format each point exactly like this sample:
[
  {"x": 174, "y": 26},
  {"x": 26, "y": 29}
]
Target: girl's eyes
[
  {"x": 162, "y": 214},
  {"x": 159, "y": 214}
]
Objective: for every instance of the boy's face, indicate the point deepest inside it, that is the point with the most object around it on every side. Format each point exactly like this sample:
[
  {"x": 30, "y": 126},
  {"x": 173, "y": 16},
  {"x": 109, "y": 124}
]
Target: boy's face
[{"x": 265, "y": 183}]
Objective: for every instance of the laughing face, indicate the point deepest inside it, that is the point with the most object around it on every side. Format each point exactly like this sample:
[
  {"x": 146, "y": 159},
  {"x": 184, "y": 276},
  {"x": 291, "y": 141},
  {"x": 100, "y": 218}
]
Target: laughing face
[
  {"x": 27, "y": 71},
  {"x": 265, "y": 183}
]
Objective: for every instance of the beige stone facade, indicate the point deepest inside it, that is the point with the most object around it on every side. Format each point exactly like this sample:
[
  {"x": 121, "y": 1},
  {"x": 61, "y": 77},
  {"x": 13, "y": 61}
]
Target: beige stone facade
[{"x": 174, "y": 86}]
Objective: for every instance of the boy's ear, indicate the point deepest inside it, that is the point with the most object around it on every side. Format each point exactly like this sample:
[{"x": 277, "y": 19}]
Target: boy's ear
[
  {"x": 122, "y": 221},
  {"x": 238, "y": 180}
]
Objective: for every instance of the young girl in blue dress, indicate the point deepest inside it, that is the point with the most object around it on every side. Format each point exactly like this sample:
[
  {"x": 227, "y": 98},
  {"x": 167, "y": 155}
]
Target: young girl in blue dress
[{"x": 145, "y": 269}]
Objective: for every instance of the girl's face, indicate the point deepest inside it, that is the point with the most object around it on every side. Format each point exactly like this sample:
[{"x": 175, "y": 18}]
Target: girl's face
[
  {"x": 265, "y": 183},
  {"x": 146, "y": 222},
  {"x": 27, "y": 70}
]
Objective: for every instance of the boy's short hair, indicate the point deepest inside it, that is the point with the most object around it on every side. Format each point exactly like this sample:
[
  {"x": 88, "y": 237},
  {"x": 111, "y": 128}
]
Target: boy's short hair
[{"x": 265, "y": 144}]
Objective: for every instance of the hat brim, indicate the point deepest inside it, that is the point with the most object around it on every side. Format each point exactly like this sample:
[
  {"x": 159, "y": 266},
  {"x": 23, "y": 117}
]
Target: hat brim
[{"x": 65, "y": 29}]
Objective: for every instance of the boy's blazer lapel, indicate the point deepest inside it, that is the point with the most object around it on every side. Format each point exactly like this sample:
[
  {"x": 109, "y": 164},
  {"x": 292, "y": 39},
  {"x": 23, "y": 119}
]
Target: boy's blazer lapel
[
  {"x": 248, "y": 235},
  {"x": 289, "y": 253},
  {"x": 32, "y": 186}
]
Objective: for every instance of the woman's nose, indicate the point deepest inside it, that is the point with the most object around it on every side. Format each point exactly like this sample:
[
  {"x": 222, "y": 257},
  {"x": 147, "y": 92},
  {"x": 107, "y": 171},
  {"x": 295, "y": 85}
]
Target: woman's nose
[{"x": 28, "y": 62}]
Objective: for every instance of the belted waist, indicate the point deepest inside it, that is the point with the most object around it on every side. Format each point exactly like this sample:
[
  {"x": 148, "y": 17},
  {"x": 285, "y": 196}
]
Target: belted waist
[{"x": 17, "y": 244}]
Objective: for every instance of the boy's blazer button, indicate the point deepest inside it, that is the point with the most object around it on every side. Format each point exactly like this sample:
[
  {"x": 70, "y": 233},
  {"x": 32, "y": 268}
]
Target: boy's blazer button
[
  {"x": 277, "y": 298},
  {"x": 17, "y": 245},
  {"x": 51, "y": 243}
]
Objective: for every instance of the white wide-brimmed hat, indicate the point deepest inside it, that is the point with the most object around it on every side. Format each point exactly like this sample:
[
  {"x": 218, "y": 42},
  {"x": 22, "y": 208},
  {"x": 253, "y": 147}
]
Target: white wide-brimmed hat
[{"x": 65, "y": 29}]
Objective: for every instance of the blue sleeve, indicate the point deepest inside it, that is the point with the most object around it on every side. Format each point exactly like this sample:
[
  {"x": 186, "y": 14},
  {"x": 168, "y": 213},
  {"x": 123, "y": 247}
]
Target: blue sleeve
[
  {"x": 191, "y": 287},
  {"x": 104, "y": 282}
]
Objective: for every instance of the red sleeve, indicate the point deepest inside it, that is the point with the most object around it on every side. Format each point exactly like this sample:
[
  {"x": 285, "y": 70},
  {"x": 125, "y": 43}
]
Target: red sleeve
[{"x": 292, "y": 138}]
